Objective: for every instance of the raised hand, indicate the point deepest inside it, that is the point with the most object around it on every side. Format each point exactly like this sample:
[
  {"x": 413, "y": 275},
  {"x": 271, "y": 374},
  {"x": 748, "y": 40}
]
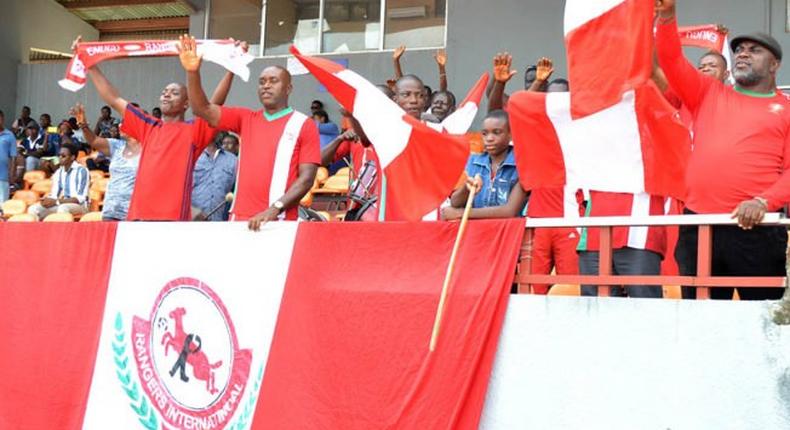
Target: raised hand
[
  {"x": 545, "y": 68},
  {"x": 441, "y": 57},
  {"x": 78, "y": 111},
  {"x": 187, "y": 53},
  {"x": 502, "y": 70},
  {"x": 398, "y": 52},
  {"x": 76, "y": 42}
]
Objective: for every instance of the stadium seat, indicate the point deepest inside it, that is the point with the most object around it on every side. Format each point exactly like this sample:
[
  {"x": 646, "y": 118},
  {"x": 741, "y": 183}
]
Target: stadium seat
[
  {"x": 96, "y": 175},
  {"x": 343, "y": 171},
  {"x": 91, "y": 216},
  {"x": 672, "y": 292},
  {"x": 101, "y": 184},
  {"x": 32, "y": 177},
  {"x": 325, "y": 215},
  {"x": 23, "y": 218},
  {"x": 59, "y": 217},
  {"x": 96, "y": 198},
  {"x": 321, "y": 175},
  {"x": 42, "y": 187},
  {"x": 565, "y": 290},
  {"x": 307, "y": 200},
  {"x": 30, "y": 197},
  {"x": 13, "y": 207},
  {"x": 337, "y": 183}
]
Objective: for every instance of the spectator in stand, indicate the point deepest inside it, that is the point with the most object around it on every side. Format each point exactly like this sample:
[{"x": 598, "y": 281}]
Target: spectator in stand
[
  {"x": 315, "y": 106},
  {"x": 125, "y": 158},
  {"x": 230, "y": 143},
  {"x": 77, "y": 136},
  {"x": 269, "y": 186},
  {"x": 44, "y": 123},
  {"x": 533, "y": 81},
  {"x": 327, "y": 132},
  {"x": 70, "y": 183},
  {"x": 49, "y": 162},
  {"x": 410, "y": 95},
  {"x": 7, "y": 158},
  {"x": 34, "y": 146},
  {"x": 19, "y": 125},
  {"x": 105, "y": 121},
  {"x": 214, "y": 178},
  {"x": 740, "y": 139},
  {"x": 552, "y": 248},
  {"x": 170, "y": 147},
  {"x": 156, "y": 112},
  {"x": 499, "y": 192},
  {"x": 442, "y": 104},
  {"x": 714, "y": 64},
  {"x": 559, "y": 85}
]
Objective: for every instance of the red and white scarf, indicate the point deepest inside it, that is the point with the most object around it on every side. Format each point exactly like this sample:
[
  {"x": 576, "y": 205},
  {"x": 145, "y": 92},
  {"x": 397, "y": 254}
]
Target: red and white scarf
[{"x": 222, "y": 52}]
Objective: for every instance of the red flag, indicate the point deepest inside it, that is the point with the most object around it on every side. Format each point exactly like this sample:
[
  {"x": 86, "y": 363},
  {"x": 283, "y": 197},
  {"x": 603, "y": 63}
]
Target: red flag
[
  {"x": 637, "y": 145},
  {"x": 609, "y": 45},
  {"x": 94, "y": 342},
  {"x": 421, "y": 165}
]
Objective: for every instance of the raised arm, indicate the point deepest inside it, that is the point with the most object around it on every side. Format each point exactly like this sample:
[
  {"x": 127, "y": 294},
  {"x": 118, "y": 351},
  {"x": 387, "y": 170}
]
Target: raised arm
[
  {"x": 190, "y": 61},
  {"x": 96, "y": 143},
  {"x": 502, "y": 74},
  {"x": 329, "y": 151},
  {"x": 545, "y": 68},
  {"x": 441, "y": 60},
  {"x": 684, "y": 79},
  {"x": 396, "y": 61}
]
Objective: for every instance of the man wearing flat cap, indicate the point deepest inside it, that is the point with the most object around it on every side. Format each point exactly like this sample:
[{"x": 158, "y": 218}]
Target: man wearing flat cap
[{"x": 740, "y": 163}]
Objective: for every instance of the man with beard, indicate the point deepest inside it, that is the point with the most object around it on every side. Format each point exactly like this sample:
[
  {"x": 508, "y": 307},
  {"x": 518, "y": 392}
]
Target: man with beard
[
  {"x": 279, "y": 153},
  {"x": 170, "y": 147},
  {"x": 741, "y": 158}
]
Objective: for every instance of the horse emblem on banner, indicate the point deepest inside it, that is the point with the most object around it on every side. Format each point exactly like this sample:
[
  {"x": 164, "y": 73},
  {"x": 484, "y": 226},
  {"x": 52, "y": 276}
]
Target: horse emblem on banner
[{"x": 188, "y": 360}]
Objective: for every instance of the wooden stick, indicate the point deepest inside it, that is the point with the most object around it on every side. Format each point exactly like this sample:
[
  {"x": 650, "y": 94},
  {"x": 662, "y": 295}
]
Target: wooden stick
[{"x": 437, "y": 323}]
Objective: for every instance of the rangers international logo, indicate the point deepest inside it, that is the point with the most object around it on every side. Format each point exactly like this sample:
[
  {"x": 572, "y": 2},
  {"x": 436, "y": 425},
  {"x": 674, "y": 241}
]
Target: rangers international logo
[{"x": 188, "y": 358}]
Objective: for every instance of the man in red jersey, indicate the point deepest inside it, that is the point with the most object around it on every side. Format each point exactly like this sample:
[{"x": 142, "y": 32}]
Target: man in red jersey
[
  {"x": 279, "y": 151},
  {"x": 741, "y": 158},
  {"x": 170, "y": 148}
]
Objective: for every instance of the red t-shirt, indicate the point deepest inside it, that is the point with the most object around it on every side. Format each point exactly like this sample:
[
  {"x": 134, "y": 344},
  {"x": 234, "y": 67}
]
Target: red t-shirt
[
  {"x": 163, "y": 188},
  {"x": 741, "y": 142},
  {"x": 625, "y": 204},
  {"x": 259, "y": 139},
  {"x": 359, "y": 155}
]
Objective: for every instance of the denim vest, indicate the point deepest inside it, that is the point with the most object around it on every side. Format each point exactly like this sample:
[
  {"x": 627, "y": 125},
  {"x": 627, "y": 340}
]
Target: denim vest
[{"x": 496, "y": 191}]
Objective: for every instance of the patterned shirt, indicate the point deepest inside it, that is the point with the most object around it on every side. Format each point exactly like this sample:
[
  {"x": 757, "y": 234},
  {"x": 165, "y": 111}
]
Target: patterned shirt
[
  {"x": 214, "y": 177},
  {"x": 71, "y": 183},
  {"x": 123, "y": 172}
]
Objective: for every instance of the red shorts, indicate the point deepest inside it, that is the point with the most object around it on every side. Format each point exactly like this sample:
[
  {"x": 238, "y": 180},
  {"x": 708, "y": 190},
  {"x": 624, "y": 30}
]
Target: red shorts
[{"x": 554, "y": 248}]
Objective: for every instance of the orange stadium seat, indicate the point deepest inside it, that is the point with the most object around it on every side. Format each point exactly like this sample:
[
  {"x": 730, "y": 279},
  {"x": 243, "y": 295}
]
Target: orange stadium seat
[
  {"x": 672, "y": 292},
  {"x": 565, "y": 290},
  {"x": 59, "y": 217},
  {"x": 96, "y": 198},
  {"x": 32, "y": 177},
  {"x": 96, "y": 175},
  {"x": 337, "y": 183},
  {"x": 23, "y": 218},
  {"x": 321, "y": 175},
  {"x": 91, "y": 217},
  {"x": 42, "y": 187},
  {"x": 30, "y": 197},
  {"x": 307, "y": 200},
  {"x": 13, "y": 207},
  {"x": 101, "y": 184}
]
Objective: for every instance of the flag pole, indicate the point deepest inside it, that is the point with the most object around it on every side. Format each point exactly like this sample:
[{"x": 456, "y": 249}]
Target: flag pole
[{"x": 437, "y": 322}]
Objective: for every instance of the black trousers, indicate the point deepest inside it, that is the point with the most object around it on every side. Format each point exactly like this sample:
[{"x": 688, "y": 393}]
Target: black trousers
[{"x": 736, "y": 252}]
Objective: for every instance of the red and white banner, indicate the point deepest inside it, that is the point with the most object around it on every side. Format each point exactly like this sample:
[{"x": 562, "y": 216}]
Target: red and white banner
[
  {"x": 711, "y": 37},
  {"x": 421, "y": 165},
  {"x": 637, "y": 145},
  {"x": 609, "y": 45},
  {"x": 222, "y": 52},
  {"x": 142, "y": 326}
]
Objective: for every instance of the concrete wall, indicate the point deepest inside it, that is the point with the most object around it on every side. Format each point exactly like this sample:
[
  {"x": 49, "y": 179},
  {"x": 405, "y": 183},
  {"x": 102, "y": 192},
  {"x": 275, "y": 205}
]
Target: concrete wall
[
  {"x": 32, "y": 23},
  {"x": 602, "y": 363},
  {"x": 476, "y": 31}
]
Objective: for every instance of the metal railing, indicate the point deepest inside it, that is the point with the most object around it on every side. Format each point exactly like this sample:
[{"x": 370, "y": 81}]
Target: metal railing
[{"x": 702, "y": 281}]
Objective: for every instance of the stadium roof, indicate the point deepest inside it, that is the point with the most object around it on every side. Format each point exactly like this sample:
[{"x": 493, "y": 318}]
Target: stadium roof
[{"x": 128, "y": 19}]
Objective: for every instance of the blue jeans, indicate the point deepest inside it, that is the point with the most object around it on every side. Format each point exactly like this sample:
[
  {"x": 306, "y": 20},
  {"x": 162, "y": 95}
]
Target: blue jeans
[
  {"x": 32, "y": 163},
  {"x": 625, "y": 261},
  {"x": 4, "y": 192}
]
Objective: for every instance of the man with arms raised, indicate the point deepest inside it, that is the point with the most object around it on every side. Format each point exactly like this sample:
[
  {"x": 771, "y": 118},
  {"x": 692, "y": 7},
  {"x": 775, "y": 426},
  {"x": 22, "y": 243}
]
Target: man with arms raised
[
  {"x": 279, "y": 153},
  {"x": 170, "y": 148},
  {"x": 741, "y": 158}
]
